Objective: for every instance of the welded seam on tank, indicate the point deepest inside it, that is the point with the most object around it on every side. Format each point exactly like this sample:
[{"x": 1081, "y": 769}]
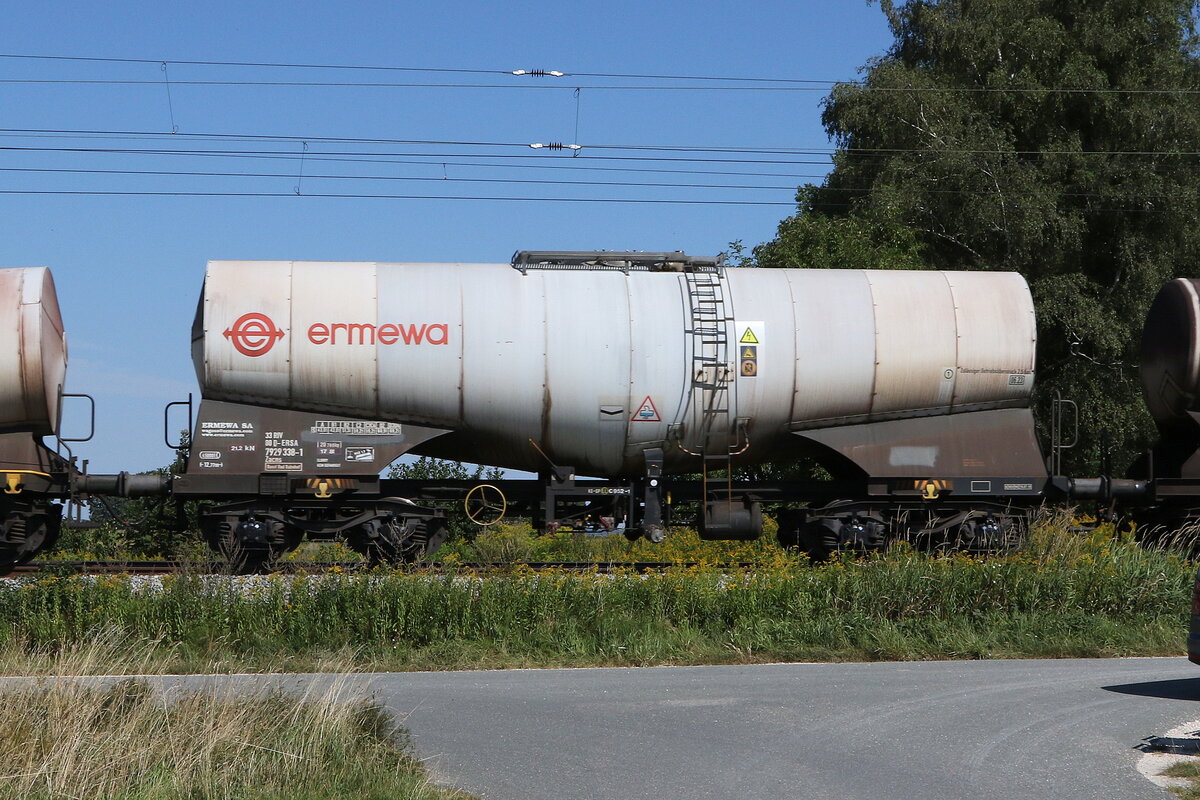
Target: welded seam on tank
[
  {"x": 291, "y": 373},
  {"x": 21, "y": 347},
  {"x": 546, "y": 444},
  {"x": 627, "y": 428},
  {"x": 462, "y": 352},
  {"x": 375, "y": 390},
  {"x": 957, "y": 337},
  {"x": 1033, "y": 336},
  {"x": 866, "y": 274},
  {"x": 791, "y": 415},
  {"x": 1194, "y": 367}
]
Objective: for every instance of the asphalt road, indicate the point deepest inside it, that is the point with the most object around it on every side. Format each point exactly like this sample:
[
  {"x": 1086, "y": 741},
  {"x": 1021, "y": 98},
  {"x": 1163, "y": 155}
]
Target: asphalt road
[
  {"x": 885, "y": 731},
  {"x": 934, "y": 731}
]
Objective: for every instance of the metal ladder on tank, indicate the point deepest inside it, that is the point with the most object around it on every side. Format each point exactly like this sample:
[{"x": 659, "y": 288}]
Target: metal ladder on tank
[{"x": 711, "y": 393}]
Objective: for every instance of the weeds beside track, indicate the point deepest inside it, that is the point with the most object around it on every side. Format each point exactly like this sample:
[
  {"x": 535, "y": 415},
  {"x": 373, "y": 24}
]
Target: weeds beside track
[{"x": 1064, "y": 595}]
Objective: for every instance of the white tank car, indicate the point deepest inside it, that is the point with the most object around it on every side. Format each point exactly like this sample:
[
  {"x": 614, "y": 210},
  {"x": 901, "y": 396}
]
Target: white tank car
[
  {"x": 33, "y": 364},
  {"x": 598, "y": 365}
]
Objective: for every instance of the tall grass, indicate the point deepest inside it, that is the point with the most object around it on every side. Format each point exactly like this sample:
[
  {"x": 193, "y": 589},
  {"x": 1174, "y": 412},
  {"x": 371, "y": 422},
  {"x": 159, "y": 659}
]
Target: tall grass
[
  {"x": 517, "y": 543},
  {"x": 1065, "y": 595},
  {"x": 69, "y": 738}
]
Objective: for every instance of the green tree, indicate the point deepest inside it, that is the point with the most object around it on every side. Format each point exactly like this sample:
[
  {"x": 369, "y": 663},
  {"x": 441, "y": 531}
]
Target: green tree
[
  {"x": 437, "y": 469},
  {"x": 1058, "y": 138}
]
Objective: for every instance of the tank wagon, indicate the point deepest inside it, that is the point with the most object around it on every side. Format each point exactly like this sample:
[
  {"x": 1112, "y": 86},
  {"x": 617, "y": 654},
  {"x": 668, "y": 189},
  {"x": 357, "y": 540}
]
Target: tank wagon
[
  {"x": 40, "y": 476},
  {"x": 656, "y": 374},
  {"x": 33, "y": 366},
  {"x": 1170, "y": 372}
]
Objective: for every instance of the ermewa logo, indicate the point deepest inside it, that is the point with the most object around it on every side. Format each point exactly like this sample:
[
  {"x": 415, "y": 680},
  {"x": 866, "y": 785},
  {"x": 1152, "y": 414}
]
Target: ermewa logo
[
  {"x": 387, "y": 333},
  {"x": 253, "y": 334}
]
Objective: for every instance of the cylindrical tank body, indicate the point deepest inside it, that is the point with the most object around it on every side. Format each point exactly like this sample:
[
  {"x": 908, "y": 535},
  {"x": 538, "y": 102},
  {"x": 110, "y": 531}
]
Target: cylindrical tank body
[
  {"x": 33, "y": 364},
  {"x": 1170, "y": 361},
  {"x": 598, "y": 366}
]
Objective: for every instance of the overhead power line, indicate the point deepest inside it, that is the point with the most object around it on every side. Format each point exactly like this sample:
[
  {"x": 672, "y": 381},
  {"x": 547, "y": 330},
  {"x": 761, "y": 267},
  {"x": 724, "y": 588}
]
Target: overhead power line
[
  {"x": 411, "y": 85},
  {"x": 383, "y": 68},
  {"x": 1089, "y": 211},
  {"x": 348, "y": 177},
  {"x": 66, "y": 133},
  {"x": 437, "y": 156},
  {"x": 348, "y": 196},
  {"x": 602, "y": 87},
  {"x": 668, "y": 148},
  {"x": 446, "y": 179},
  {"x": 434, "y": 161},
  {"x": 781, "y": 84}
]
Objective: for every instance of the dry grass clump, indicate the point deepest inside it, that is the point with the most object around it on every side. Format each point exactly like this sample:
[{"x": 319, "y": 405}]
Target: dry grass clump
[{"x": 73, "y": 737}]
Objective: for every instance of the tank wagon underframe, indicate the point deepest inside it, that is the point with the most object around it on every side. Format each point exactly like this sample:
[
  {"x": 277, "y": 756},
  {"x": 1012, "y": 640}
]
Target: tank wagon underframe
[{"x": 321, "y": 481}]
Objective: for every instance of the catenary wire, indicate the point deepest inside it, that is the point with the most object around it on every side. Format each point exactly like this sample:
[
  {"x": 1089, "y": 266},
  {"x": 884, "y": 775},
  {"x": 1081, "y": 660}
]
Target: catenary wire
[
  {"x": 345, "y": 177},
  {"x": 673, "y": 148},
  {"x": 169, "y": 151},
  {"x": 350, "y": 196},
  {"x": 210, "y": 63},
  {"x": 559, "y": 164},
  {"x": 443, "y": 179},
  {"x": 790, "y": 84}
]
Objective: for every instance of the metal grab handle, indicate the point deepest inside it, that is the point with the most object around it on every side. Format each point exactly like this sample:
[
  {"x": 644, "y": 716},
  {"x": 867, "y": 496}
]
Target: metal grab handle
[
  {"x": 167, "y": 422},
  {"x": 92, "y": 418},
  {"x": 1056, "y": 430}
]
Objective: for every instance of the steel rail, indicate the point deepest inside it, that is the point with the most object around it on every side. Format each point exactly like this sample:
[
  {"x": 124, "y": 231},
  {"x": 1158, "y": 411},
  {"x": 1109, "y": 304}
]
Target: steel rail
[{"x": 306, "y": 567}]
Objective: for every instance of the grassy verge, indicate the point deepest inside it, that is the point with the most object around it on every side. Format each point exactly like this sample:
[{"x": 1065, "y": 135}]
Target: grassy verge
[
  {"x": 65, "y": 739},
  {"x": 1188, "y": 770},
  {"x": 1065, "y": 595}
]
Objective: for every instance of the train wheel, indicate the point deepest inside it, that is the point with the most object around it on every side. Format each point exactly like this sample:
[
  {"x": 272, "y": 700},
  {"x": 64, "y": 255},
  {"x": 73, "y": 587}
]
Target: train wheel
[
  {"x": 823, "y": 536},
  {"x": 983, "y": 532},
  {"x": 42, "y": 534},
  {"x": 25, "y": 536},
  {"x": 248, "y": 543},
  {"x": 396, "y": 541}
]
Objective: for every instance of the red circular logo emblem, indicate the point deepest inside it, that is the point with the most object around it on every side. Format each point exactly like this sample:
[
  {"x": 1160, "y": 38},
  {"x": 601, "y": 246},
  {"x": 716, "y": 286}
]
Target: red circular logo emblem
[{"x": 253, "y": 334}]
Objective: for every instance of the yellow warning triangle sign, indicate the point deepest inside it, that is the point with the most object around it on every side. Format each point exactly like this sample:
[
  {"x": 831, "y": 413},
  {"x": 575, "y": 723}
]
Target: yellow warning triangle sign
[
  {"x": 749, "y": 352},
  {"x": 748, "y": 337}
]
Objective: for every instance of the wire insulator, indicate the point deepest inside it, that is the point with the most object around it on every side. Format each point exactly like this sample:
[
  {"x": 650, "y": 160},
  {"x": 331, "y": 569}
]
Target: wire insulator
[{"x": 539, "y": 73}]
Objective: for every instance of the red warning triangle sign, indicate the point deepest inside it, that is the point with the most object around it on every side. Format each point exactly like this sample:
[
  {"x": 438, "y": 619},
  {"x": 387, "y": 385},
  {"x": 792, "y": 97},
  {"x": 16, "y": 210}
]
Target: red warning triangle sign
[{"x": 647, "y": 412}]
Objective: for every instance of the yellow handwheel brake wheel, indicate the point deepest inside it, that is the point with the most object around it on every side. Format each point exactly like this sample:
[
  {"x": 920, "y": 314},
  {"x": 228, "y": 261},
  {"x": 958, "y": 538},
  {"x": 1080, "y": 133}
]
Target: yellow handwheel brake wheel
[{"x": 485, "y": 504}]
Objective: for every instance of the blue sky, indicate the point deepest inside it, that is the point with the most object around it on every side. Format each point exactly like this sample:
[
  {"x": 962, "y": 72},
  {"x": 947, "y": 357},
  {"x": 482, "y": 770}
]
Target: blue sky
[{"x": 129, "y": 268}]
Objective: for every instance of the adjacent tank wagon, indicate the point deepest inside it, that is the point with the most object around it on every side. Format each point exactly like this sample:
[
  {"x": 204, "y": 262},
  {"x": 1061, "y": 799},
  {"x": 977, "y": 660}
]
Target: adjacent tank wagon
[{"x": 33, "y": 365}]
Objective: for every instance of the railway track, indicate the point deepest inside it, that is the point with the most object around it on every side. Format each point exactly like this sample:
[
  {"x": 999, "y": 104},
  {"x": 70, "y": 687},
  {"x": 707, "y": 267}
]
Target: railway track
[{"x": 437, "y": 568}]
